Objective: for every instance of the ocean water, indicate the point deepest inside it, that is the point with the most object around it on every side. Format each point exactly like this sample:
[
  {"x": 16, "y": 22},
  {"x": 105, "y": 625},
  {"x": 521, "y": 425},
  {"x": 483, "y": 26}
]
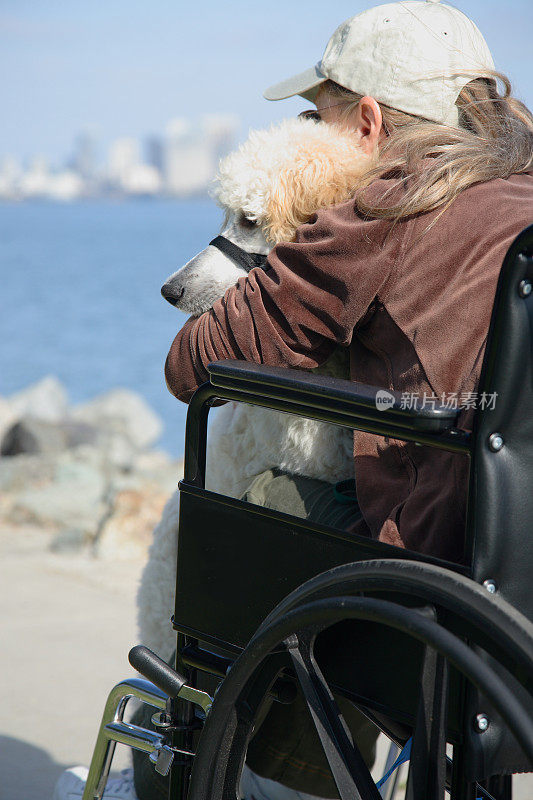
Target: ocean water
[{"x": 80, "y": 296}]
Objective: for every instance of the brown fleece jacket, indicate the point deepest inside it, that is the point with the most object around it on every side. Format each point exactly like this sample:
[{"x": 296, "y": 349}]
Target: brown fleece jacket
[{"x": 414, "y": 309}]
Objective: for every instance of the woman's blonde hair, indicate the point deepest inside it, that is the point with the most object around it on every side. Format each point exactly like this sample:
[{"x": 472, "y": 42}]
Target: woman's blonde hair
[{"x": 436, "y": 162}]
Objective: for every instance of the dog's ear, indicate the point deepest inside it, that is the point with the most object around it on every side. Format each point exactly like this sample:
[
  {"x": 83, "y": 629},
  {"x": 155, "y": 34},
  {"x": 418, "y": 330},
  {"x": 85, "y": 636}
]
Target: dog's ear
[{"x": 325, "y": 173}]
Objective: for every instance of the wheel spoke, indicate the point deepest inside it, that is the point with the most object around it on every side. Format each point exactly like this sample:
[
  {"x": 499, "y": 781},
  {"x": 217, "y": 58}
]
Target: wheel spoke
[
  {"x": 499, "y": 786},
  {"x": 427, "y": 769},
  {"x": 245, "y": 714},
  {"x": 350, "y": 773}
]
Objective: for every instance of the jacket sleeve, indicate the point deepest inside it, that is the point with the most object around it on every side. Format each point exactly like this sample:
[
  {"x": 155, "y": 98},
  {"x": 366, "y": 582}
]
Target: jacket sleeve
[{"x": 309, "y": 298}]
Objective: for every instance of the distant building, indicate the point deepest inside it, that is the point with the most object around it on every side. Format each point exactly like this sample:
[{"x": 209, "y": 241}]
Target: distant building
[
  {"x": 65, "y": 186},
  {"x": 35, "y": 181},
  {"x": 220, "y": 131},
  {"x": 128, "y": 173},
  {"x": 124, "y": 155},
  {"x": 154, "y": 152},
  {"x": 192, "y": 152},
  {"x": 84, "y": 158},
  {"x": 187, "y": 163},
  {"x": 143, "y": 179},
  {"x": 10, "y": 173},
  {"x": 40, "y": 182}
]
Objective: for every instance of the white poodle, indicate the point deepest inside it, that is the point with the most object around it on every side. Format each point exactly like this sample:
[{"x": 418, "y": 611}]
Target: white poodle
[{"x": 269, "y": 187}]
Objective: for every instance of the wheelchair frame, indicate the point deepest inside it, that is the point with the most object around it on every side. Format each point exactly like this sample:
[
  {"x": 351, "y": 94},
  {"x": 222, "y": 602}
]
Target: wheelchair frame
[{"x": 450, "y": 622}]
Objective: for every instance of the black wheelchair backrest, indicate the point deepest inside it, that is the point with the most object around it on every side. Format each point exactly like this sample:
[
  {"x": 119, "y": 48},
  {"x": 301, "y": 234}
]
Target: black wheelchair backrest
[{"x": 500, "y": 514}]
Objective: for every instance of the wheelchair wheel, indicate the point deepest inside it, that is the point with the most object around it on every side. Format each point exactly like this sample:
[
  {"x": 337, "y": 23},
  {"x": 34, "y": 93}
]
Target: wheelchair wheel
[{"x": 453, "y": 622}]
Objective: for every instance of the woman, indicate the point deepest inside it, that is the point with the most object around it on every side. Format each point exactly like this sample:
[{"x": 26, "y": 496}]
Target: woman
[{"x": 404, "y": 276}]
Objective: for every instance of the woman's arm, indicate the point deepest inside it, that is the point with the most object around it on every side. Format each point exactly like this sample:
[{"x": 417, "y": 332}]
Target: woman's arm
[{"x": 309, "y": 298}]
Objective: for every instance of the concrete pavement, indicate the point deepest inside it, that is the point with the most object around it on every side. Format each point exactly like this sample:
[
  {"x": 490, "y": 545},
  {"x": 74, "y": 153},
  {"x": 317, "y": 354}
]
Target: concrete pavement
[{"x": 67, "y": 625}]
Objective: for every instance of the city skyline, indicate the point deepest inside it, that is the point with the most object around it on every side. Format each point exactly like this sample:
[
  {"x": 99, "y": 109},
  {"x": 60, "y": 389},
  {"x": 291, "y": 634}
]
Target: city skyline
[
  {"x": 178, "y": 162},
  {"x": 126, "y": 68}
]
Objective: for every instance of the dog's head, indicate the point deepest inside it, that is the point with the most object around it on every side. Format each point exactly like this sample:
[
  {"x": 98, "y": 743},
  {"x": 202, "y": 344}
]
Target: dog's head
[{"x": 270, "y": 186}]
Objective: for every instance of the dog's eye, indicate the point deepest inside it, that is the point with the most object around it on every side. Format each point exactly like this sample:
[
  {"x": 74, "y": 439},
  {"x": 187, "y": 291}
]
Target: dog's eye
[{"x": 246, "y": 222}]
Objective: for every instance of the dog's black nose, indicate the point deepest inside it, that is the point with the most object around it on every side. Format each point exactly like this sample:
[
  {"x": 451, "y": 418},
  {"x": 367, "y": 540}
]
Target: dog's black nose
[{"x": 172, "y": 293}]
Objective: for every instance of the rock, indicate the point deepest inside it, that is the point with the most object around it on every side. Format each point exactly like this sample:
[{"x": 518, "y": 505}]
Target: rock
[
  {"x": 157, "y": 469},
  {"x": 46, "y": 400},
  {"x": 85, "y": 478},
  {"x": 32, "y": 435},
  {"x": 128, "y": 530},
  {"x": 154, "y": 460},
  {"x": 71, "y": 540},
  {"x": 116, "y": 450},
  {"x": 72, "y": 497},
  {"x": 123, "y": 412},
  {"x": 17, "y": 474},
  {"x": 7, "y": 416}
]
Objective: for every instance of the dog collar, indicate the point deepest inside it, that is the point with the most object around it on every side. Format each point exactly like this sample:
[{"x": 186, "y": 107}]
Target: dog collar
[{"x": 239, "y": 256}]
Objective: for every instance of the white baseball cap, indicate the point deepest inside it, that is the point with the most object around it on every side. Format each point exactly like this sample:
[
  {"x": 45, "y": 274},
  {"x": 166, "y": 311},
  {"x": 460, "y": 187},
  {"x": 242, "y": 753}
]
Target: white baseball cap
[{"x": 407, "y": 55}]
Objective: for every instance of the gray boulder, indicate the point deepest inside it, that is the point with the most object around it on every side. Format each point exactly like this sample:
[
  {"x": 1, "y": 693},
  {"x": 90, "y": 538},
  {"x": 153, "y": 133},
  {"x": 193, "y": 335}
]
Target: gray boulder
[
  {"x": 85, "y": 478},
  {"x": 32, "y": 435},
  {"x": 46, "y": 400},
  {"x": 16, "y": 474},
  {"x": 73, "y": 496},
  {"x": 123, "y": 412},
  {"x": 7, "y": 416}
]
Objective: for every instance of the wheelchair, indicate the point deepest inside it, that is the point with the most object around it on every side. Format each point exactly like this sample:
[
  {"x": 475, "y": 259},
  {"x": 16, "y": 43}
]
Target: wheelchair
[{"x": 438, "y": 655}]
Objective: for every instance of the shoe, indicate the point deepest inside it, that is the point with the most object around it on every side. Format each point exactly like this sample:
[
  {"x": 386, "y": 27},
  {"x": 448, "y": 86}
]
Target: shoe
[
  {"x": 254, "y": 787},
  {"x": 71, "y": 785}
]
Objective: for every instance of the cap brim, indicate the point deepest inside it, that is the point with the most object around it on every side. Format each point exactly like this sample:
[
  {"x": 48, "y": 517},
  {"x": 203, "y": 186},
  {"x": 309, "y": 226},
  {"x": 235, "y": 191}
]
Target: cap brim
[{"x": 306, "y": 84}]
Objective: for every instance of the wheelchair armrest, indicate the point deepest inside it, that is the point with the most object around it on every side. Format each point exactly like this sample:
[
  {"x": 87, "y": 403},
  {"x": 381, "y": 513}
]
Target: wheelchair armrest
[{"x": 322, "y": 392}]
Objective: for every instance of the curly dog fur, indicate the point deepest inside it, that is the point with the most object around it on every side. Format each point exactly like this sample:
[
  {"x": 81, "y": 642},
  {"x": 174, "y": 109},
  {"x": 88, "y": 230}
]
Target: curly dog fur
[{"x": 269, "y": 187}]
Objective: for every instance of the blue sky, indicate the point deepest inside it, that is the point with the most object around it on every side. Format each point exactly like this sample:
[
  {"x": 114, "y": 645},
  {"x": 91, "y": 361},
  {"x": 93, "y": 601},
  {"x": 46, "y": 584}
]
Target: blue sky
[{"x": 125, "y": 67}]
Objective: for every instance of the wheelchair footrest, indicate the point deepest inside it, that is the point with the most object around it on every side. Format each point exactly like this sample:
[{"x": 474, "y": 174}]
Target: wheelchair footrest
[
  {"x": 113, "y": 730},
  {"x": 143, "y": 739}
]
